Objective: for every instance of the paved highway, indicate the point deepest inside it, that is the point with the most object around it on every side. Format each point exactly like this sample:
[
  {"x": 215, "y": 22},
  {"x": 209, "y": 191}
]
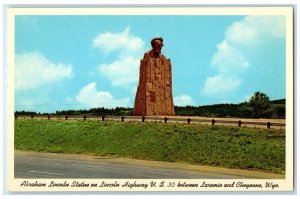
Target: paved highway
[{"x": 47, "y": 165}]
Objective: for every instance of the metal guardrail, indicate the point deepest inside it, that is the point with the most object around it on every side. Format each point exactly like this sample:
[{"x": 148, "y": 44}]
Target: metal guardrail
[{"x": 187, "y": 120}]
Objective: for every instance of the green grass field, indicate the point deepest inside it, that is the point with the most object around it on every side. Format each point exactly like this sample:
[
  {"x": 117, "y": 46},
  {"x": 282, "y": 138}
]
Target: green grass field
[{"x": 232, "y": 147}]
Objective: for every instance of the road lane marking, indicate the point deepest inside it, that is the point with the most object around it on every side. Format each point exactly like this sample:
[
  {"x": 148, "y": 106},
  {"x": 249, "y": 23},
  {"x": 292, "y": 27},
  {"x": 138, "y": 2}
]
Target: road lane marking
[{"x": 58, "y": 174}]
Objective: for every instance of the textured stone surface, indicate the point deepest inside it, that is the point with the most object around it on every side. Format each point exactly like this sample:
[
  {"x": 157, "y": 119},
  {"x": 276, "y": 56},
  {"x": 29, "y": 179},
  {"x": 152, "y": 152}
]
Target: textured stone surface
[{"x": 154, "y": 92}]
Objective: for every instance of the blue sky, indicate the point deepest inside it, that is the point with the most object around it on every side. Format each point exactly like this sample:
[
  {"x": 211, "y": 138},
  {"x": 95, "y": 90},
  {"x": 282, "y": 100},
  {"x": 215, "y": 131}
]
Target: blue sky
[{"x": 82, "y": 62}]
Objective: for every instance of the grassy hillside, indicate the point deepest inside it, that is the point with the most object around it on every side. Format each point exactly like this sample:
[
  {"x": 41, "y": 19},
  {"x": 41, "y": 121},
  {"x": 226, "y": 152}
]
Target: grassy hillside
[{"x": 231, "y": 147}]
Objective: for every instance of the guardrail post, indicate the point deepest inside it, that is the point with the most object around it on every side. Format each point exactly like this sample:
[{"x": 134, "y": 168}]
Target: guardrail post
[
  {"x": 268, "y": 125},
  {"x": 165, "y": 119},
  {"x": 240, "y": 123},
  {"x": 213, "y": 122},
  {"x": 102, "y": 118},
  {"x": 143, "y": 118},
  {"x": 66, "y": 117},
  {"x": 122, "y": 118},
  {"x": 84, "y": 117},
  {"x": 189, "y": 120},
  {"x": 49, "y": 116}
]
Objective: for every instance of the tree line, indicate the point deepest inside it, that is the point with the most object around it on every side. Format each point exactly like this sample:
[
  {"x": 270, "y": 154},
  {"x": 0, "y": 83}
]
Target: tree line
[{"x": 259, "y": 106}]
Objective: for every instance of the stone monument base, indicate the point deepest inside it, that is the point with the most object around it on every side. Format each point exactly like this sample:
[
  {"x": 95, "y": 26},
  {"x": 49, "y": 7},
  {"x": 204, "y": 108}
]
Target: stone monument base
[{"x": 154, "y": 92}]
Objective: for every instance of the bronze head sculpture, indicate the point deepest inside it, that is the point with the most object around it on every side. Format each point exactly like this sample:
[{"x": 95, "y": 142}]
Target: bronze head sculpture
[{"x": 157, "y": 44}]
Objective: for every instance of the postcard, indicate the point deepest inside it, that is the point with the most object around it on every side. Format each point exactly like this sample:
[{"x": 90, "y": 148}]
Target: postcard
[{"x": 151, "y": 99}]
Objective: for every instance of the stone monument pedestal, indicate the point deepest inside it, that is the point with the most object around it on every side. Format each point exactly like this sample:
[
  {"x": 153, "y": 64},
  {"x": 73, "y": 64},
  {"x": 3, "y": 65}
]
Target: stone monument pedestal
[{"x": 154, "y": 92}]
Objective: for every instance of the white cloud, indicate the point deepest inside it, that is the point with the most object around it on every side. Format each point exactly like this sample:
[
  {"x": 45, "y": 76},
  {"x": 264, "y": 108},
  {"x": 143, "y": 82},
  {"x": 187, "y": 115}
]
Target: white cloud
[
  {"x": 183, "y": 100},
  {"x": 123, "y": 71},
  {"x": 33, "y": 70},
  {"x": 90, "y": 97},
  {"x": 123, "y": 41},
  {"x": 220, "y": 84},
  {"x": 254, "y": 30},
  {"x": 240, "y": 44},
  {"x": 229, "y": 59}
]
